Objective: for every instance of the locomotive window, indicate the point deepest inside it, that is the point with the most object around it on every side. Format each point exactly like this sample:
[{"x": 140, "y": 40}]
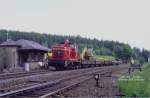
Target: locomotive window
[{"x": 58, "y": 53}]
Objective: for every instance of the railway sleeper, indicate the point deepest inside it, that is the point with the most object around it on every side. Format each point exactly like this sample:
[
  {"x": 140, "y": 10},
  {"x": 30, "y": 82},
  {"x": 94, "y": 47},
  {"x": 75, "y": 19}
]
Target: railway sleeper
[
  {"x": 57, "y": 93},
  {"x": 105, "y": 74},
  {"x": 28, "y": 89}
]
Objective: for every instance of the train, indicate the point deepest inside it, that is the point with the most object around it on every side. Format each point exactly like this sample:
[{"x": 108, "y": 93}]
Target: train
[{"x": 66, "y": 56}]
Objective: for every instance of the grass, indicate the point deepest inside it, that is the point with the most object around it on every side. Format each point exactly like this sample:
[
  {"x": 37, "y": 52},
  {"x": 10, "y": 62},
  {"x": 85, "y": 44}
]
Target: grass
[
  {"x": 106, "y": 58},
  {"x": 137, "y": 84}
]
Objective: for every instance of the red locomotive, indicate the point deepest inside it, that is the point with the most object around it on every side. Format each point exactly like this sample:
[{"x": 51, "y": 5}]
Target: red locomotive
[{"x": 64, "y": 56}]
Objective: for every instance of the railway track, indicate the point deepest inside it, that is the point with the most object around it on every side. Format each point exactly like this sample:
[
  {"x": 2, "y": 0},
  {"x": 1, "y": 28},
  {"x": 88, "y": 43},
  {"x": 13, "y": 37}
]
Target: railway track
[
  {"x": 52, "y": 87},
  {"x": 107, "y": 87},
  {"x": 15, "y": 83},
  {"x": 57, "y": 84},
  {"x": 56, "y": 93},
  {"x": 21, "y": 74}
]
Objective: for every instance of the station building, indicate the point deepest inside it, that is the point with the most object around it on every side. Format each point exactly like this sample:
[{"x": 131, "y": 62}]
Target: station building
[{"x": 15, "y": 54}]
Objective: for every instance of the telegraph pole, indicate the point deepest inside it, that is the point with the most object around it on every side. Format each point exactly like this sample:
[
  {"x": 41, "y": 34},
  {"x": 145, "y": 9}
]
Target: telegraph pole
[{"x": 7, "y": 36}]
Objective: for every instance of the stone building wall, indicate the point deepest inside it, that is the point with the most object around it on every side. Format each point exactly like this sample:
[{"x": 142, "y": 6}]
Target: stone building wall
[{"x": 9, "y": 57}]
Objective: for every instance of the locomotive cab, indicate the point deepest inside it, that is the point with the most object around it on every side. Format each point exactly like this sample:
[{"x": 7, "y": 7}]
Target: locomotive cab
[{"x": 64, "y": 56}]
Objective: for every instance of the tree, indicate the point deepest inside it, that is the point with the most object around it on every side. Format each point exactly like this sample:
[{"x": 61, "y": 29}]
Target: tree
[{"x": 100, "y": 47}]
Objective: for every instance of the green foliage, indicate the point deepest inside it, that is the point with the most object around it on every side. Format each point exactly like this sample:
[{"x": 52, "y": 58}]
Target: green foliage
[
  {"x": 100, "y": 47},
  {"x": 141, "y": 55},
  {"x": 123, "y": 51},
  {"x": 137, "y": 84},
  {"x": 132, "y": 88}
]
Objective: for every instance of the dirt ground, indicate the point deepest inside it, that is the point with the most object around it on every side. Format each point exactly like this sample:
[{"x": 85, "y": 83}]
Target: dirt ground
[{"x": 107, "y": 87}]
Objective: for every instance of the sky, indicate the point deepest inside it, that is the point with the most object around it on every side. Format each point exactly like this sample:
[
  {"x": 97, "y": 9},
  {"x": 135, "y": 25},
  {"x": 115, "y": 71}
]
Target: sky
[{"x": 126, "y": 21}]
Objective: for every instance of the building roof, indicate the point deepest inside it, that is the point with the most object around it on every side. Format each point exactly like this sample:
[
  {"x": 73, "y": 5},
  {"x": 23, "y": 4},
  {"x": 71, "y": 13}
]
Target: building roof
[
  {"x": 9, "y": 42},
  {"x": 25, "y": 45}
]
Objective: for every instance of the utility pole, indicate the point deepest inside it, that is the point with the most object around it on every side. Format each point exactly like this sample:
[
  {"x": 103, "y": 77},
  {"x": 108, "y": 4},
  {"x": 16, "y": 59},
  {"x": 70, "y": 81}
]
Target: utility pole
[
  {"x": 7, "y": 36},
  {"x": 148, "y": 59}
]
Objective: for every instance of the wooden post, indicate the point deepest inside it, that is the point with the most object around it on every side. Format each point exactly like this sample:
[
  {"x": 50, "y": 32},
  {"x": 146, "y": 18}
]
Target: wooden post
[{"x": 97, "y": 79}]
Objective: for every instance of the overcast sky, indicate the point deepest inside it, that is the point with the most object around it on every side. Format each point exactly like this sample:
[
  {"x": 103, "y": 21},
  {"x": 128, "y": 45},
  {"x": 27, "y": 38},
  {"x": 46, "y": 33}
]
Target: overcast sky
[{"x": 122, "y": 20}]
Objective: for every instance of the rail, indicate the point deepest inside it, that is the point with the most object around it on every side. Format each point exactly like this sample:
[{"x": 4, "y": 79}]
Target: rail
[
  {"x": 49, "y": 85},
  {"x": 20, "y": 74}
]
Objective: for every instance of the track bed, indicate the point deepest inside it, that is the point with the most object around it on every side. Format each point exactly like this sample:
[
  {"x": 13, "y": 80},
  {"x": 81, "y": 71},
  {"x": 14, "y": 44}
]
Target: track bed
[{"x": 51, "y": 84}]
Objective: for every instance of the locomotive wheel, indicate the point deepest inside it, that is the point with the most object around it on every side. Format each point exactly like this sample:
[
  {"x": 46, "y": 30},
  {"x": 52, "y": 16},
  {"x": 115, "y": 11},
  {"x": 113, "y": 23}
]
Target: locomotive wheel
[{"x": 58, "y": 68}]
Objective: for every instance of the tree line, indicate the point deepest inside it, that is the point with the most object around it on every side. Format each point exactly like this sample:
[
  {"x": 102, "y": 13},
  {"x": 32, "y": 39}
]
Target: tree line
[{"x": 101, "y": 47}]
